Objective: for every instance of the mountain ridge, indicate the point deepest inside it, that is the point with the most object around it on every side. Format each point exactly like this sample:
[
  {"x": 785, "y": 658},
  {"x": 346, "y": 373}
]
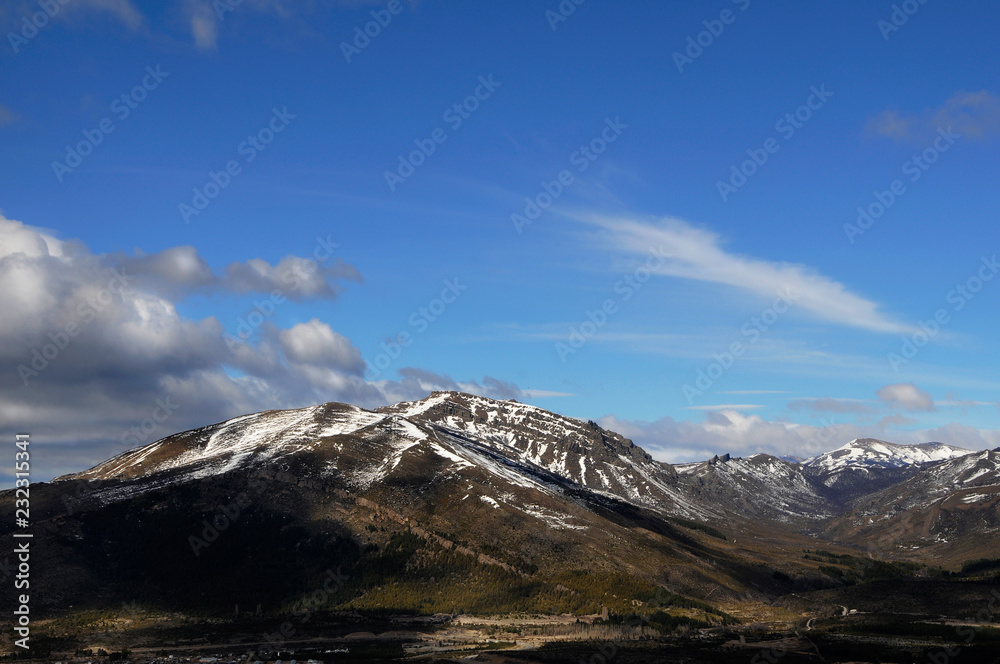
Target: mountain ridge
[{"x": 458, "y": 499}]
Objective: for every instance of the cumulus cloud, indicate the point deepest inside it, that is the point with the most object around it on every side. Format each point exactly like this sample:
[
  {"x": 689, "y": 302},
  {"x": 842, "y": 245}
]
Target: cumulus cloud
[
  {"x": 179, "y": 271},
  {"x": 906, "y": 396},
  {"x": 416, "y": 383},
  {"x": 694, "y": 253},
  {"x": 97, "y": 358},
  {"x": 315, "y": 343},
  {"x": 302, "y": 278},
  {"x": 973, "y": 115}
]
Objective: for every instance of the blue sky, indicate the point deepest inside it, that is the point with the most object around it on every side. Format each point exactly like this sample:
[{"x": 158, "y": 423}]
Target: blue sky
[{"x": 653, "y": 247}]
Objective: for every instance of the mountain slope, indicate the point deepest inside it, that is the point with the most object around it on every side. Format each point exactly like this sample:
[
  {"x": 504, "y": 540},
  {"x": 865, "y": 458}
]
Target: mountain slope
[
  {"x": 759, "y": 486},
  {"x": 582, "y": 452},
  {"x": 948, "y": 508},
  {"x": 460, "y": 502},
  {"x": 424, "y": 509}
]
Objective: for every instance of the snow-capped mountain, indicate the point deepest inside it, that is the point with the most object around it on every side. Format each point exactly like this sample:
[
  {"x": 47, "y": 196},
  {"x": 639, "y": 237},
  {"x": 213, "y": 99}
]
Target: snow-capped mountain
[
  {"x": 582, "y": 452},
  {"x": 505, "y": 438},
  {"x": 525, "y": 446},
  {"x": 951, "y": 504},
  {"x": 760, "y": 485},
  {"x": 485, "y": 487},
  {"x": 484, "y": 494},
  {"x": 873, "y": 453}
]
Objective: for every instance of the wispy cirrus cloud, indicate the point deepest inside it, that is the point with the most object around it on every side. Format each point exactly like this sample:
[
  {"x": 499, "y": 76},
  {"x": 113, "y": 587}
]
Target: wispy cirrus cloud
[
  {"x": 727, "y": 406},
  {"x": 695, "y": 253},
  {"x": 831, "y": 405},
  {"x": 124, "y": 11}
]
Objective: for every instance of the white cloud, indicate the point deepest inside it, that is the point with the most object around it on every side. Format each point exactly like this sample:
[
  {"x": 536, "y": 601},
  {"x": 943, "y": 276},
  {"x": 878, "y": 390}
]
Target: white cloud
[
  {"x": 92, "y": 344},
  {"x": 315, "y": 343},
  {"x": 743, "y": 435},
  {"x": 906, "y": 396},
  {"x": 416, "y": 383},
  {"x": 694, "y": 253},
  {"x": 299, "y": 276}
]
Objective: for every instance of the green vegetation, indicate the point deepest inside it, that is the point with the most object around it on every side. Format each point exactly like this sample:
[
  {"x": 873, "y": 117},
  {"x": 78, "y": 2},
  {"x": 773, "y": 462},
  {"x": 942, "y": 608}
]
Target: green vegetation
[
  {"x": 854, "y": 569},
  {"x": 663, "y": 622},
  {"x": 945, "y": 633},
  {"x": 664, "y": 599},
  {"x": 976, "y": 567}
]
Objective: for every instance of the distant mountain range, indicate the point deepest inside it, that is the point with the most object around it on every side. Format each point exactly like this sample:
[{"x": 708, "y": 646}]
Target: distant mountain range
[{"x": 459, "y": 502}]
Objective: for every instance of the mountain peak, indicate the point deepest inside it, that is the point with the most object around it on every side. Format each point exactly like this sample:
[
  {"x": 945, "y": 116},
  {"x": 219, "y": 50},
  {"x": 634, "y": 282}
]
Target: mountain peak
[{"x": 875, "y": 453}]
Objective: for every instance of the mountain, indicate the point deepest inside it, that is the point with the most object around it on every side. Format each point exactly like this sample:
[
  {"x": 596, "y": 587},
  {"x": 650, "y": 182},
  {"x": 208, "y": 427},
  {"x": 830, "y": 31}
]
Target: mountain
[
  {"x": 582, "y": 452},
  {"x": 948, "y": 509},
  {"x": 457, "y": 502},
  {"x": 449, "y": 503},
  {"x": 866, "y": 465},
  {"x": 872, "y": 453},
  {"x": 759, "y": 486}
]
